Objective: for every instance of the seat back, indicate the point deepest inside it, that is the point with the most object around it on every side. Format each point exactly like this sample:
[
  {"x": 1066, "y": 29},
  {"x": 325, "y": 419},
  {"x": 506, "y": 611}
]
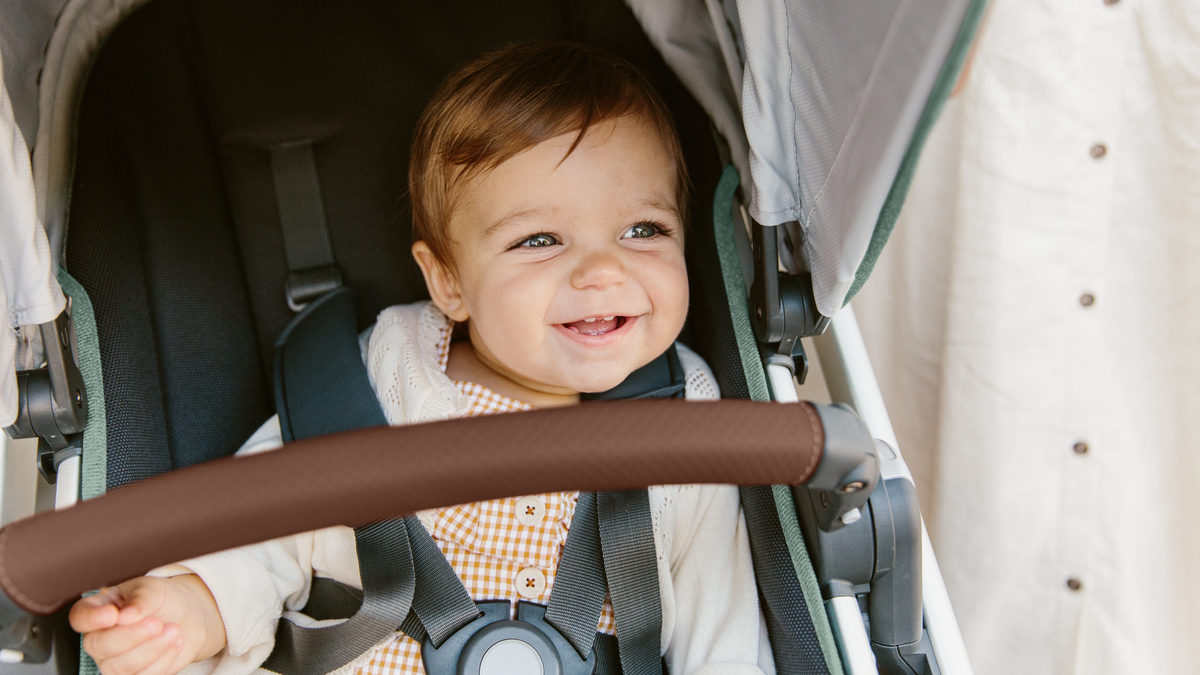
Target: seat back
[{"x": 174, "y": 228}]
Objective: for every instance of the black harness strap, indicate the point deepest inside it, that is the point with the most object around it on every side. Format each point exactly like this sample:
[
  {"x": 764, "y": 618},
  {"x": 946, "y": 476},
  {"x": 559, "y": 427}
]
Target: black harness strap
[
  {"x": 794, "y": 641},
  {"x": 321, "y": 386}
]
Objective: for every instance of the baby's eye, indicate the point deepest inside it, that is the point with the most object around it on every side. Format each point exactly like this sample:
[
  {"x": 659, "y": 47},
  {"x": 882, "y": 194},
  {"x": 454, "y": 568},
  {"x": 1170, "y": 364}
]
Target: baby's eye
[
  {"x": 641, "y": 231},
  {"x": 538, "y": 241}
]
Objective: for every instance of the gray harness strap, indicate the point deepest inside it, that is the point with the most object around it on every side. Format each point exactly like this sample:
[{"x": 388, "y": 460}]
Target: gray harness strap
[
  {"x": 441, "y": 603},
  {"x": 631, "y": 563},
  {"x": 311, "y": 271},
  {"x": 386, "y": 566},
  {"x": 577, "y": 598}
]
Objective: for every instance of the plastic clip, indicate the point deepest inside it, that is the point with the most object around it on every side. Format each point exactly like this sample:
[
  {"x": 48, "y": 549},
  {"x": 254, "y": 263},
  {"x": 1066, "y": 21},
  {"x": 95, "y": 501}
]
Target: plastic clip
[
  {"x": 52, "y": 400},
  {"x": 783, "y": 308}
]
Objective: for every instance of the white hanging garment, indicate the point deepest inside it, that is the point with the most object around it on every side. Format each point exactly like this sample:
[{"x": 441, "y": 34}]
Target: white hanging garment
[{"x": 1034, "y": 324}]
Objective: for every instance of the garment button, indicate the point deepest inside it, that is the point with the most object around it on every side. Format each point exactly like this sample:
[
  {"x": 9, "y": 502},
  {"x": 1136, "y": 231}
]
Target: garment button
[
  {"x": 530, "y": 511},
  {"x": 1110, "y": 3},
  {"x": 530, "y": 582},
  {"x": 1087, "y": 299},
  {"x": 1080, "y": 448},
  {"x": 1098, "y": 150},
  {"x": 1074, "y": 584}
]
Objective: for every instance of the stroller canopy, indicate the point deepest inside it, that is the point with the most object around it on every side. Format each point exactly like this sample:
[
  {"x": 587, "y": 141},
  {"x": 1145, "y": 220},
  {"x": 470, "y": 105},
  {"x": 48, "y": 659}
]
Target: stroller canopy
[{"x": 823, "y": 107}]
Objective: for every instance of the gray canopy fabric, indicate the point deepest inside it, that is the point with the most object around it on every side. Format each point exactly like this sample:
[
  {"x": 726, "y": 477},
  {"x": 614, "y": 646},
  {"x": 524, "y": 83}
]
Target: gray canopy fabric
[
  {"x": 833, "y": 92},
  {"x": 25, "y": 27},
  {"x": 818, "y": 103}
]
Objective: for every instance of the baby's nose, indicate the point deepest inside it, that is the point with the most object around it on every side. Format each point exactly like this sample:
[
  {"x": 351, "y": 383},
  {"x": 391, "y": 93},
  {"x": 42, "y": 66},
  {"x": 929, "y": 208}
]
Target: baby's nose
[{"x": 598, "y": 271}]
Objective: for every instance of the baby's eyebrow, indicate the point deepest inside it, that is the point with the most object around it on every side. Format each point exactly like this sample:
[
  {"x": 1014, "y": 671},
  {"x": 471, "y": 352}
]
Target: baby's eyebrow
[
  {"x": 535, "y": 212},
  {"x": 669, "y": 207}
]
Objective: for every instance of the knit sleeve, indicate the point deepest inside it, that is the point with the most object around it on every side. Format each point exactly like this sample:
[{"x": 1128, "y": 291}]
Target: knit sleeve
[
  {"x": 700, "y": 384},
  {"x": 252, "y": 585},
  {"x": 711, "y": 619}
]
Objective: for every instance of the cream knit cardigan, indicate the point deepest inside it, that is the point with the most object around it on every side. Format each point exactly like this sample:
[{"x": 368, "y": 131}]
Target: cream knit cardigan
[{"x": 711, "y": 619}]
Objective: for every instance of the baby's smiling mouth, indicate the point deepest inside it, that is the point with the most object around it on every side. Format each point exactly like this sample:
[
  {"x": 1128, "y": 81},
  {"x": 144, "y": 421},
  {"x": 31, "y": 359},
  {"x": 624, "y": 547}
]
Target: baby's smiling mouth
[{"x": 596, "y": 325}]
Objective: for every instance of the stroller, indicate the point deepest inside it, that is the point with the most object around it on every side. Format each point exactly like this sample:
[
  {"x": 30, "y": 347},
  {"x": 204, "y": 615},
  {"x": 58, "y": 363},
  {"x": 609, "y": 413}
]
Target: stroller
[{"x": 148, "y": 264}]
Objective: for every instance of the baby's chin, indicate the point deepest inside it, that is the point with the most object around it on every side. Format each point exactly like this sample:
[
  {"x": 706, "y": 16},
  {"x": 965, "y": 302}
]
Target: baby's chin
[
  {"x": 597, "y": 384},
  {"x": 600, "y": 377}
]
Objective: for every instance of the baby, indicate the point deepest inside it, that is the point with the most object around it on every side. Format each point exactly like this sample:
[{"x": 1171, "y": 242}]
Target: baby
[{"x": 549, "y": 194}]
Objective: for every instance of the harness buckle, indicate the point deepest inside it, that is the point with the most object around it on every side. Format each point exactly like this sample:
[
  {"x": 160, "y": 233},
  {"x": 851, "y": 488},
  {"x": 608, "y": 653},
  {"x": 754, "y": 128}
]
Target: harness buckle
[{"x": 495, "y": 644}]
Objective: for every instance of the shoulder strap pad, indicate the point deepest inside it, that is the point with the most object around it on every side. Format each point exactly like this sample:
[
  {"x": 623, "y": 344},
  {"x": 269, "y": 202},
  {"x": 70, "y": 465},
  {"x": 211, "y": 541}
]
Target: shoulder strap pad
[{"x": 321, "y": 385}]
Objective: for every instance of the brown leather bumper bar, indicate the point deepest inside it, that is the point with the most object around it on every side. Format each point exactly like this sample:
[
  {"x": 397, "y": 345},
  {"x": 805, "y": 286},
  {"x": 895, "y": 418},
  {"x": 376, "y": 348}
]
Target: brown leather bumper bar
[{"x": 371, "y": 474}]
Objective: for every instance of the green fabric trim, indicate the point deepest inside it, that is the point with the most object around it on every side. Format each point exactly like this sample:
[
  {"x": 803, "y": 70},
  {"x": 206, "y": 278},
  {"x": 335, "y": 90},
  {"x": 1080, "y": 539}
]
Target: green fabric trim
[
  {"x": 808, "y": 578},
  {"x": 735, "y": 286},
  {"x": 908, "y": 166},
  {"x": 93, "y": 479},
  {"x": 756, "y": 381},
  {"x": 94, "y": 471},
  {"x": 86, "y": 665}
]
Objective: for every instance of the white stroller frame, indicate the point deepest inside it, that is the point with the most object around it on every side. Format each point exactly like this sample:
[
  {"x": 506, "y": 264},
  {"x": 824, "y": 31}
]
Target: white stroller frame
[
  {"x": 731, "y": 76},
  {"x": 850, "y": 379}
]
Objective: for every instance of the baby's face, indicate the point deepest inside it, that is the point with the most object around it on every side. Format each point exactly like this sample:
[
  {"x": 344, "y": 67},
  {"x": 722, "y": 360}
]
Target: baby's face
[{"x": 572, "y": 271}]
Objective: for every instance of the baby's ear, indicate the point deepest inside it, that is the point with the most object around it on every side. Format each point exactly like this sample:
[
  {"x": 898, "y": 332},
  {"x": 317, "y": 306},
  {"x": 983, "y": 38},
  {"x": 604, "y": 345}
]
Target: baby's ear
[{"x": 441, "y": 282}]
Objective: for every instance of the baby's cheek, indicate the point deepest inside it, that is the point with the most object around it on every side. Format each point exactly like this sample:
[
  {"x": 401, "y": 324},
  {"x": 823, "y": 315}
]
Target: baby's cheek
[
  {"x": 669, "y": 293},
  {"x": 512, "y": 325}
]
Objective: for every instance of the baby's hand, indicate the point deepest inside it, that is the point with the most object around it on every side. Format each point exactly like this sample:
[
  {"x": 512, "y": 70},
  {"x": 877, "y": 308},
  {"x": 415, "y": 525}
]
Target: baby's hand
[{"x": 150, "y": 626}]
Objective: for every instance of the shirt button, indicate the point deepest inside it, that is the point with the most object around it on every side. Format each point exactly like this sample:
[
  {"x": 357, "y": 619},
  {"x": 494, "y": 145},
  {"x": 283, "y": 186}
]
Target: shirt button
[
  {"x": 1110, "y": 3},
  {"x": 530, "y": 511},
  {"x": 1080, "y": 447},
  {"x": 1074, "y": 584},
  {"x": 1098, "y": 150},
  {"x": 1087, "y": 299},
  {"x": 530, "y": 582}
]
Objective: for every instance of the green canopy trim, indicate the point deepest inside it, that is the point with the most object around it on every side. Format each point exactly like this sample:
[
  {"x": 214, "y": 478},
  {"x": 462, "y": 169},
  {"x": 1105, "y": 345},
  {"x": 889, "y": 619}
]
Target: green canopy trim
[{"x": 908, "y": 166}]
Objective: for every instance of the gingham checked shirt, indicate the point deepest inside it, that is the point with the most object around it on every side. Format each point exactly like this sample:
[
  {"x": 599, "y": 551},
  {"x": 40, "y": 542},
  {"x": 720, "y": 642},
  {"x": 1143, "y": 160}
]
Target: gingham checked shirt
[{"x": 496, "y": 556}]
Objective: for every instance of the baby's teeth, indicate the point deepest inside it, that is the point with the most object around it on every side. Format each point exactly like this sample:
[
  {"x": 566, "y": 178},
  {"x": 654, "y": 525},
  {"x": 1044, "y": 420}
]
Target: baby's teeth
[
  {"x": 588, "y": 320},
  {"x": 609, "y": 318}
]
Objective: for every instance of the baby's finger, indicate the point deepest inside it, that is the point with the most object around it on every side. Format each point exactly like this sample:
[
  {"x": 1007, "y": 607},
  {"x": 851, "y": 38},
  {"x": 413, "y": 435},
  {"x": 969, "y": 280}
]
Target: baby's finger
[
  {"x": 137, "y": 660},
  {"x": 95, "y": 612},
  {"x": 184, "y": 657},
  {"x": 168, "y": 663},
  {"x": 111, "y": 642},
  {"x": 142, "y": 597}
]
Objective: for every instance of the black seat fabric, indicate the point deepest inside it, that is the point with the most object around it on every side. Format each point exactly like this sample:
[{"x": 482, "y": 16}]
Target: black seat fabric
[{"x": 174, "y": 229}]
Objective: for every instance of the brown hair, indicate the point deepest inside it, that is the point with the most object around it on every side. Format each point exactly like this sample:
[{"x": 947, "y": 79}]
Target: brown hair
[{"x": 509, "y": 100}]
